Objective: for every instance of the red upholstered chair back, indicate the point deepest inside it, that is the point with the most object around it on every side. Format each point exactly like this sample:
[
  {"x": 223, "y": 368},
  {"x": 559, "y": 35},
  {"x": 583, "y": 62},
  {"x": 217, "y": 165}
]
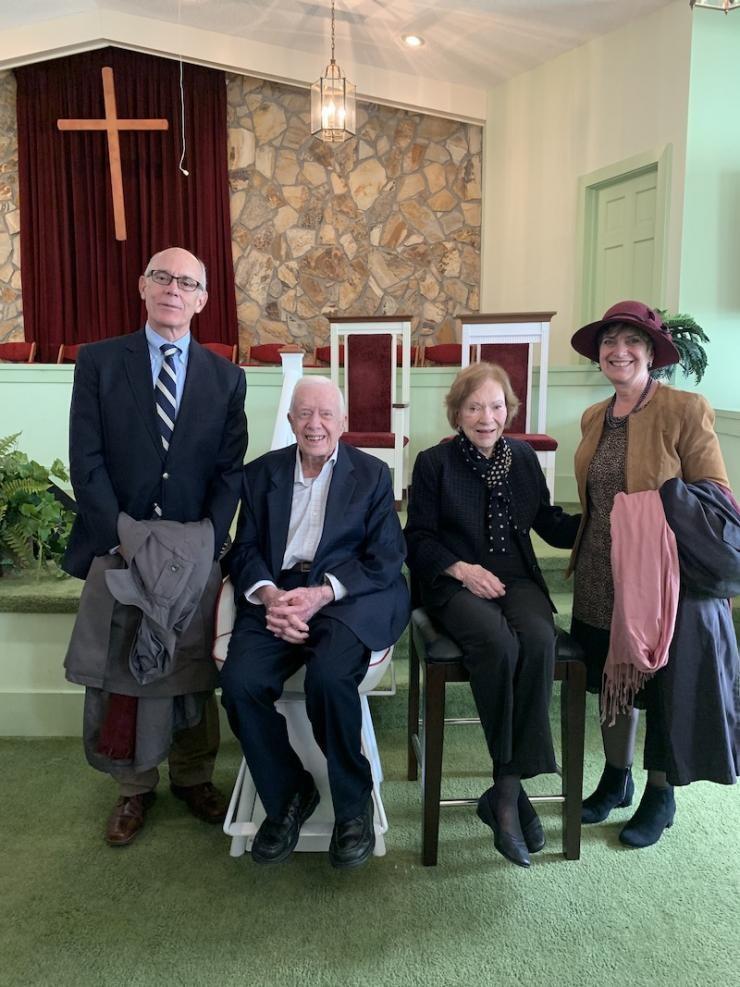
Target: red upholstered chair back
[
  {"x": 323, "y": 355},
  {"x": 369, "y": 383},
  {"x": 68, "y": 352},
  {"x": 514, "y": 358},
  {"x": 17, "y": 352},
  {"x": 414, "y": 355},
  {"x": 226, "y": 350},
  {"x": 444, "y": 354},
  {"x": 268, "y": 353}
]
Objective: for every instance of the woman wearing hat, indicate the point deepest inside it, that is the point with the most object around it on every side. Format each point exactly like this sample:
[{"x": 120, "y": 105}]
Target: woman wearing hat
[{"x": 646, "y": 434}]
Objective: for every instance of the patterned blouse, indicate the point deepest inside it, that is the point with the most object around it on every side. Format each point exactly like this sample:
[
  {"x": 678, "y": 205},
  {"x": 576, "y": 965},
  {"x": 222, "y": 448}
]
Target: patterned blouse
[{"x": 593, "y": 591}]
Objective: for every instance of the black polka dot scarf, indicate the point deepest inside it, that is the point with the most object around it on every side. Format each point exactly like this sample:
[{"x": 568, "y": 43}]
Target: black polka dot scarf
[{"x": 494, "y": 472}]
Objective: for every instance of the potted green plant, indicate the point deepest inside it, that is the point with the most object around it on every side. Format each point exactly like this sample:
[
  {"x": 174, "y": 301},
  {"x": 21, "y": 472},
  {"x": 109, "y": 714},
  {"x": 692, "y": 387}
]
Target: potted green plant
[
  {"x": 688, "y": 337},
  {"x": 34, "y": 523}
]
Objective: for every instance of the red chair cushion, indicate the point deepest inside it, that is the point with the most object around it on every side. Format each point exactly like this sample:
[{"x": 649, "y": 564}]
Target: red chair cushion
[
  {"x": 323, "y": 354},
  {"x": 399, "y": 355},
  {"x": 226, "y": 350},
  {"x": 15, "y": 352},
  {"x": 444, "y": 354},
  {"x": 371, "y": 440},
  {"x": 70, "y": 352},
  {"x": 540, "y": 443},
  {"x": 266, "y": 353}
]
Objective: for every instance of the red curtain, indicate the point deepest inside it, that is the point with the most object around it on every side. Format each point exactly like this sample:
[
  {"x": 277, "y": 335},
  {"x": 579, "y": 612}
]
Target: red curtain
[{"x": 79, "y": 282}]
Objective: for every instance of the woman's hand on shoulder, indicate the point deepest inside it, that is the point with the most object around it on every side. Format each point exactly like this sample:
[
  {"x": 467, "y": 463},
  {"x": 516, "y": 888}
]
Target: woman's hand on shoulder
[{"x": 477, "y": 580}]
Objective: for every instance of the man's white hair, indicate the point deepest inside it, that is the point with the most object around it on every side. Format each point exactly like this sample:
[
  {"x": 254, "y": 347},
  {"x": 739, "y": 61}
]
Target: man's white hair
[
  {"x": 203, "y": 276},
  {"x": 307, "y": 380}
]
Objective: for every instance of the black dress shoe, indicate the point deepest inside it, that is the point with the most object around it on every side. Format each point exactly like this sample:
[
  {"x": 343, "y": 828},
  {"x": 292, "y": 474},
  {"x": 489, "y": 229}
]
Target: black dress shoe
[
  {"x": 534, "y": 834},
  {"x": 508, "y": 844},
  {"x": 353, "y": 841},
  {"x": 276, "y": 838}
]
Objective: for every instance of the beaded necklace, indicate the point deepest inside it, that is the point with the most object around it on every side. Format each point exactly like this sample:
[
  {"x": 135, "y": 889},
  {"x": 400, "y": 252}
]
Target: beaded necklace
[{"x": 616, "y": 421}]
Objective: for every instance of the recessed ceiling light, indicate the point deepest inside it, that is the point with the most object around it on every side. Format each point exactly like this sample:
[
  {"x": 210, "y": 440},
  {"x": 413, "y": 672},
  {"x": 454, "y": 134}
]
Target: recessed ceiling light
[{"x": 412, "y": 40}]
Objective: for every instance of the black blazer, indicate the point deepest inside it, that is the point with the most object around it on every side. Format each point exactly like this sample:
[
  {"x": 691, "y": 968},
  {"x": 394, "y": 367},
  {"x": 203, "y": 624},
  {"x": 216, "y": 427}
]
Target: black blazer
[
  {"x": 117, "y": 461},
  {"x": 361, "y": 544},
  {"x": 446, "y": 517}
]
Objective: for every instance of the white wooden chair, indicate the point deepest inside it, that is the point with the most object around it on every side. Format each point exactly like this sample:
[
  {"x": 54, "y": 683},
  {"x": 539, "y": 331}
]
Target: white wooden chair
[
  {"x": 515, "y": 341},
  {"x": 246, "y": 812},
  {"x": 377, "y": 351}
]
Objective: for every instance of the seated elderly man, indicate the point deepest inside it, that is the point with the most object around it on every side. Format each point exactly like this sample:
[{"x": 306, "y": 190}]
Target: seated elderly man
[{"x": 316, "y": 566}]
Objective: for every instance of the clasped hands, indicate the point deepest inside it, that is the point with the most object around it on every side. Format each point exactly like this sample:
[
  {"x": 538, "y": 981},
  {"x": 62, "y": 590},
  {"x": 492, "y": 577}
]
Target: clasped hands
[
  {"x": 477, "y": 580},
  {"x": 287, "y": 612}
]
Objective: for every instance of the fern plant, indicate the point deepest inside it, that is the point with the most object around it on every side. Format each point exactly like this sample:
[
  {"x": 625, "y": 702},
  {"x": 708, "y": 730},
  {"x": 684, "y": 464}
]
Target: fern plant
[
  {"x": 688, "y": 337},
  {"x": 34, "y": 525}
]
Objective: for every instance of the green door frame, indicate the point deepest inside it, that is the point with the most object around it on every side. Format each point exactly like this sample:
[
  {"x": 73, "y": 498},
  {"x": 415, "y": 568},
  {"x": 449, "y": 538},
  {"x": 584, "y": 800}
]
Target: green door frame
[{"x": 588, "y": 187}]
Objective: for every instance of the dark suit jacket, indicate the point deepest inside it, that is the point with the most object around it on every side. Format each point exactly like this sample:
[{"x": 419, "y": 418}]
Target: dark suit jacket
[
  {"x": 361, "y": 544},
  {"x": 117, "y": 462},
  {"x": 446, "y": 517}
]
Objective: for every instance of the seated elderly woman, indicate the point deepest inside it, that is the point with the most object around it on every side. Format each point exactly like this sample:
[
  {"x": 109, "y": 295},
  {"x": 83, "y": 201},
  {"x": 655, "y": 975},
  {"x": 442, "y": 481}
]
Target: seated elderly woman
[{"x": 473, "y": 503}]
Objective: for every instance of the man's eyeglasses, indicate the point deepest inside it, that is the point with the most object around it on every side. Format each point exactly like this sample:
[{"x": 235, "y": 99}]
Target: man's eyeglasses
[{"x": 165, "y": 278}]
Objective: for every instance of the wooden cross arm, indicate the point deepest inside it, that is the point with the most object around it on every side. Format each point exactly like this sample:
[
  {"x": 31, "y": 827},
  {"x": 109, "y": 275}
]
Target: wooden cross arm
[{"x": 113, "y": 124}]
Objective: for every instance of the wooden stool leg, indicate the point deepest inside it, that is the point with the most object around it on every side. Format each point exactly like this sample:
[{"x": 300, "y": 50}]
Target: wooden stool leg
[
  {"x": 431, "y": 768},
  {"x": 413, "y": 715},
  {"x": 573, "y": 725}
]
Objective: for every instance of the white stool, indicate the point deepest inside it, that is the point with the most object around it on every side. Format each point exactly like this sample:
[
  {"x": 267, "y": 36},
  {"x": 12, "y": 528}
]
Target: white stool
[{"x": 245, "y": 812}]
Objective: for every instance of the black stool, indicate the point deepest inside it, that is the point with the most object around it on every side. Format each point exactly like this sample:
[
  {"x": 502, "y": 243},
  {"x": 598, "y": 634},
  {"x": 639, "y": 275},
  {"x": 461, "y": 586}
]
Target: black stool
[{"x": 441, "y": 659}]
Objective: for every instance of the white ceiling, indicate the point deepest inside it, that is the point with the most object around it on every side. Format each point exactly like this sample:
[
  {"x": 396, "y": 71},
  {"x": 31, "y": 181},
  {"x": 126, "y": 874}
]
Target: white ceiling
[{"x": 476, "y": 43}]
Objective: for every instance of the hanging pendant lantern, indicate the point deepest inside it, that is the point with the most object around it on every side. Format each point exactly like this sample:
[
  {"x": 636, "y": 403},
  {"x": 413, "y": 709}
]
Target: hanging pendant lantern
[{"x": 333, "y": 103}]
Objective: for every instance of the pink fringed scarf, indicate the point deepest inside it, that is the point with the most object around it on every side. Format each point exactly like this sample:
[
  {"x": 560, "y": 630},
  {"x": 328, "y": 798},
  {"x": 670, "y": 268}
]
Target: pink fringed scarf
[{"x": 646, "y": 583}]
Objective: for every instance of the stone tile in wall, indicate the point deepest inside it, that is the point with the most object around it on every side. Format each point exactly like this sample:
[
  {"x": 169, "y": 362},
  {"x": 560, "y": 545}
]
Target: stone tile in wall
[
  {"x": 386, "y": 223},
  {"x": 11, "y": 317}
]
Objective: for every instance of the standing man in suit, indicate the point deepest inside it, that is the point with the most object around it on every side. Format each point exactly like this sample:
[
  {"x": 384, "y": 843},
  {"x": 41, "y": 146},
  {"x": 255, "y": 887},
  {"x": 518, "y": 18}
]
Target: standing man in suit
[
  {"x": 158, "y": 432},
  {"x": 316, "y": 567}
]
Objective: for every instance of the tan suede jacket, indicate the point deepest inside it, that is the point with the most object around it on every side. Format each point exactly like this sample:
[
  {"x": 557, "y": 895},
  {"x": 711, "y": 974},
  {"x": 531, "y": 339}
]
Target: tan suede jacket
[{"x": 673, "y": 436}]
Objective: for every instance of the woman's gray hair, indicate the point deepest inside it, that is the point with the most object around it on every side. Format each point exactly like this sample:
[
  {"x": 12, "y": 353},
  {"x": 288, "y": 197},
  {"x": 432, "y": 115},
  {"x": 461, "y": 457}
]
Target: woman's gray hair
[{"x": 470, "y": 379}]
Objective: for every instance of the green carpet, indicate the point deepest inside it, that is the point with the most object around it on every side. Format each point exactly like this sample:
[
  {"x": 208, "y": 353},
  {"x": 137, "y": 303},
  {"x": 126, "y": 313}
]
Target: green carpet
[{"x": 175, "y": 908}]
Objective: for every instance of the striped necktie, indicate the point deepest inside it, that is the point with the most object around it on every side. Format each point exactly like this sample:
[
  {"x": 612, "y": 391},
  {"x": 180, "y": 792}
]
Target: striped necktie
[{"x": 165, "y": 394}]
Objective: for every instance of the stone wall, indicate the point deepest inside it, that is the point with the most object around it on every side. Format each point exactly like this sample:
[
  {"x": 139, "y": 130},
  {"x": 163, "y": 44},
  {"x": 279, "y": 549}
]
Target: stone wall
[
  {"x": 11, "y": 321},
  {"x": 386, "y": 223}
]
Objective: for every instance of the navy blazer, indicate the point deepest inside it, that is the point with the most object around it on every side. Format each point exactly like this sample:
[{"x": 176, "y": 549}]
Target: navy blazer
[
  {"x": 446, "y": 517},
  {"x": 361, "y": 544},
  {"x": 117, "y": 461}
]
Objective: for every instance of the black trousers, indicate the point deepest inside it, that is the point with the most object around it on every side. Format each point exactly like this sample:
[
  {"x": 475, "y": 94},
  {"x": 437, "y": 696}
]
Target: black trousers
[
  {"x": 509, "y": 646},
  {"x": 252, "y": 679}
]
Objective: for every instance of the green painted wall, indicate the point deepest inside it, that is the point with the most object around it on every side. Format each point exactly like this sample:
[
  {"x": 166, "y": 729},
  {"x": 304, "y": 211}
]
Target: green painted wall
[
  {"x": 35, "y": 700},
  {"x": 709, "y": 283}
]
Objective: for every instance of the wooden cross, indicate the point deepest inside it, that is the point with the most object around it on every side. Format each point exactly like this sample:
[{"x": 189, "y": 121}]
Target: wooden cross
[{"x": 112, "y": 125}]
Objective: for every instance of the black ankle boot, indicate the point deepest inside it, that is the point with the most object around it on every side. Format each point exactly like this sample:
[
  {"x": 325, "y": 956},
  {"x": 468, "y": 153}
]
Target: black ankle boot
[
  {"x": 654, "y": 814},
  {"x": 614, "y": 791}
]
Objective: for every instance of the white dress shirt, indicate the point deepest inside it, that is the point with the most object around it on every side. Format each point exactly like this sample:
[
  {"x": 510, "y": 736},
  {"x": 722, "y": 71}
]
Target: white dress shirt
[{"x": 307, "y": 513}]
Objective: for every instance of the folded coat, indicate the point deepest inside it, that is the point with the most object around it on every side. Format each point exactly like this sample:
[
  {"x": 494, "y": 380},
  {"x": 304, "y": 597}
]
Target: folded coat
[
  {"x": 168, "y": 567},
  {"x": 694, "y": 700}
]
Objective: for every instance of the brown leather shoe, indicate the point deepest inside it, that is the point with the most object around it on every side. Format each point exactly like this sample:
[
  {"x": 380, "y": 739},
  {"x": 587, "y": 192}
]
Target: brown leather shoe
[
  {"x": 127, "y": 818},
  {"x": 204, "y": 801}
]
